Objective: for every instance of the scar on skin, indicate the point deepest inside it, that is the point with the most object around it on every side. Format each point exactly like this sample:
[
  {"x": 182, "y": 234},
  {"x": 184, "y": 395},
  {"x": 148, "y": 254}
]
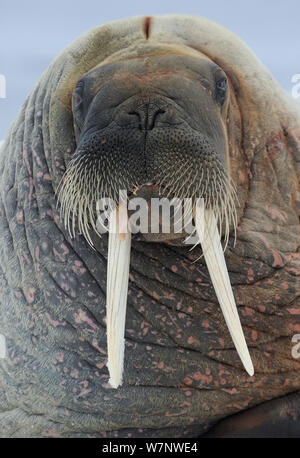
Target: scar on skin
[{"x": 147, "y": 26}]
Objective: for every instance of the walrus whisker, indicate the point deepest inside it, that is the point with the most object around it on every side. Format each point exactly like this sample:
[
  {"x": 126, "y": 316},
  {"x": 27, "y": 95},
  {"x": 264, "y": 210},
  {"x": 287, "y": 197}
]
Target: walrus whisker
[
  {"x": 179, "y": 177},
  {"x": 161, "y": 180},
  {"x": 170, "y": 172},
  {"x": 193, "y": 181},
  {"x": 182, "y": 192},
  {"x": 168, "y": 186}
]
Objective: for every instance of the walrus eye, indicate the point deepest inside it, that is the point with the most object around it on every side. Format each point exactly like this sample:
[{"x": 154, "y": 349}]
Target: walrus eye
[{"x": 221, "y": 89}]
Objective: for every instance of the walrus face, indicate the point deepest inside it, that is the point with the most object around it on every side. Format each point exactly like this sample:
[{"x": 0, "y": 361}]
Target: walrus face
[
  {"x": 153, "y": 127},
  {"x": 158, "y": 120}
]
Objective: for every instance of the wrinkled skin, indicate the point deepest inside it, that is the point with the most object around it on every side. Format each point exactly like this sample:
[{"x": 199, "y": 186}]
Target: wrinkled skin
[{"x": 182, "y": 376}]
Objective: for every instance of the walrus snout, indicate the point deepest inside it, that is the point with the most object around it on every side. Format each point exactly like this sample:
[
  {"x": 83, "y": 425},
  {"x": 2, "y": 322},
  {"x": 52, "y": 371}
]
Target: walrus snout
[
  {"x": 148, "y": 112},
  {"x": 147, "y": 117}
]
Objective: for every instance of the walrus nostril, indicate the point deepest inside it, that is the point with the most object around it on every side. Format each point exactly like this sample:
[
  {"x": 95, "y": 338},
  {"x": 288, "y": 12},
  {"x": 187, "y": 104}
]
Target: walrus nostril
[
  {"x": 153, "y": 118},
  {"x": 147, "y": 117}
]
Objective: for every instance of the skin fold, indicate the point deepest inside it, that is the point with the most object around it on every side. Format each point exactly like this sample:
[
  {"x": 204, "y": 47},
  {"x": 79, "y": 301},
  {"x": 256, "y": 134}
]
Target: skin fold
[{"x": 182, "y": 374}]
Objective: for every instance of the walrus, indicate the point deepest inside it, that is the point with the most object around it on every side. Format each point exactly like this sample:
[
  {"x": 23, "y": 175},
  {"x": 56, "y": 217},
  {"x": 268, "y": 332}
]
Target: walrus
[{"x": 156, "y": 106}]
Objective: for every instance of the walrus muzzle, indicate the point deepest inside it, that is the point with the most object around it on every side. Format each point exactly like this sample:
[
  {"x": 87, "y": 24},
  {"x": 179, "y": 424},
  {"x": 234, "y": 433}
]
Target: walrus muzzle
[{"x": 158, "y": 121}]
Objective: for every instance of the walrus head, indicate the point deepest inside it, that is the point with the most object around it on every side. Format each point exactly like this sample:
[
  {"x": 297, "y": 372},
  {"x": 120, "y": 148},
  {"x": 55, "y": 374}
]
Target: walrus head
[
  {"x": 160, "y": 120},
  {"x": 155, "y": 127}
]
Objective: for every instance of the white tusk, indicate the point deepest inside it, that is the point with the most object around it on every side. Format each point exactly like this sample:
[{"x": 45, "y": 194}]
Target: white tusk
[
  {"x": 119, "y": 245},
  {"x": 208, "y": 233}
]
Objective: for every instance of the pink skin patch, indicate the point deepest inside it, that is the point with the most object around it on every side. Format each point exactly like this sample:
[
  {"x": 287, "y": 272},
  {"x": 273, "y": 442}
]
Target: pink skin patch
[
  {"x": 278, "y": 262},
  {"x": 232, "y": 391},
  {"x": 95, "y": 345},
  {"x": 19, "y": 216},
  {"x": 295, "y": 327},
  {"x": 38, "y": 161},
  {"x": 60, "y": 357},
  {"x": 294, "y": 311},
  {"x": 26, "y": 161},
  {"x": 248, "y": 311},
  {"x": 161, "y": 365},
  {"x": 53, "y": 322},
  {"x": 81, "y": 317},
  {"x": 221, "y": 342},
  {"x": 30, "y": 295},
  {"x": 192, "y": 341},
  {"x": 65, "y": 248},
  {"x": 204, "y": 379},
  {"x": 254, "y": 335},
  {"x": 84, "y": 391},
  {"x": 242, "y": 177}
]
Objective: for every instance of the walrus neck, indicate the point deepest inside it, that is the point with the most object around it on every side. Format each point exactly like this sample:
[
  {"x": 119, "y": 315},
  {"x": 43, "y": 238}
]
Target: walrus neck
[{"x": 173, "y": 279}]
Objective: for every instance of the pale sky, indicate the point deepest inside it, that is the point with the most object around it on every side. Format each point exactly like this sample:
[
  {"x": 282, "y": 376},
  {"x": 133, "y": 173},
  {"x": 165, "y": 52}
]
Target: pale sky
[{"x": 33, "y": 32}]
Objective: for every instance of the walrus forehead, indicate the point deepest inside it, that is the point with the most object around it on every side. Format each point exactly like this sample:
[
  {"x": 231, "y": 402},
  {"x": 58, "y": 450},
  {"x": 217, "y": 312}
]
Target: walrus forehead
[
  {"x": 140, "y": 51},
  {"x": 146, "y": 68}
]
